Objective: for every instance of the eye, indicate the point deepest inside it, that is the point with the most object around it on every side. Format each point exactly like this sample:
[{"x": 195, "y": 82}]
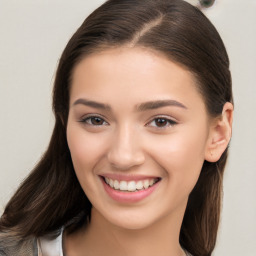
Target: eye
[
  {"x": 94, "y": 121},
  {"x": 161, "y": 122}
]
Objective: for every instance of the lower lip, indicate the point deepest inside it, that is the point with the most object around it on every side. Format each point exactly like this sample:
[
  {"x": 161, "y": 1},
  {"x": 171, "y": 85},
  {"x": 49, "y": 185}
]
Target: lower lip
[{"x": 129, "y": 197}]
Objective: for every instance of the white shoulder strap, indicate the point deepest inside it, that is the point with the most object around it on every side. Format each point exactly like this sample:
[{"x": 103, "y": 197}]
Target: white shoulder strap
[{"x": 48, "y": 247}]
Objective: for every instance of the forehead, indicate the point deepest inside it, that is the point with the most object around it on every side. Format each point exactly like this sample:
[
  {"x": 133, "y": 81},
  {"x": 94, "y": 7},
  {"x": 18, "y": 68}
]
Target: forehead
[{"x": 135, "y": 73}]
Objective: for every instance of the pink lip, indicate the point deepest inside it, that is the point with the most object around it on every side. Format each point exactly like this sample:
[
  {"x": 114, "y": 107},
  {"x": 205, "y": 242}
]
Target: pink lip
[{"x": 128, "y": 197}]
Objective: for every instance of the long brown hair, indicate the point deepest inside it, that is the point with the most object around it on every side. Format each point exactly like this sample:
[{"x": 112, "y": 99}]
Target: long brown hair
[{"x": 51, "y": 196}]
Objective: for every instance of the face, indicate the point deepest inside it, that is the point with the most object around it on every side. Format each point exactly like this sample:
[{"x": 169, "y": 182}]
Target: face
[{"x": 137, "y": 132}]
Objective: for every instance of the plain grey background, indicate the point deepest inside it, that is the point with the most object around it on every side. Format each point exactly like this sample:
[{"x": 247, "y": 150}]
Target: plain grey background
[{"x": 33, "y": 34}]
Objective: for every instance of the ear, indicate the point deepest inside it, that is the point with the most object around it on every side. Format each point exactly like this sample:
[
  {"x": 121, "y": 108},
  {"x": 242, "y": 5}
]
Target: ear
[{"x": 220, "y": 134}]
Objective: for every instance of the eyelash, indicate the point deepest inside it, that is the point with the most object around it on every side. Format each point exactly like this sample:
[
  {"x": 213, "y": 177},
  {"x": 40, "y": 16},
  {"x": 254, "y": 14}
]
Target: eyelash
[
  {"x": 88, "y": 120},
  {"x": 166, "y": 121}
]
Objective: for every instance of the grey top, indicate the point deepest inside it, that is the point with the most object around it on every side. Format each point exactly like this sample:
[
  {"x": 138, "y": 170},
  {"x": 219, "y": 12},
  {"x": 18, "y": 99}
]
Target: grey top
[{"x": 32, "y": 247}]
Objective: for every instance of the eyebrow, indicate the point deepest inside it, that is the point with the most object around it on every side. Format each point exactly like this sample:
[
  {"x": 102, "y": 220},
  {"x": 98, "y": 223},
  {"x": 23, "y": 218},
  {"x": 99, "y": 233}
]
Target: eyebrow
[
  {"x": 149, "y": 105},
  {"x": 93, "y": 104},
  {"x": 159, "y": 104}
]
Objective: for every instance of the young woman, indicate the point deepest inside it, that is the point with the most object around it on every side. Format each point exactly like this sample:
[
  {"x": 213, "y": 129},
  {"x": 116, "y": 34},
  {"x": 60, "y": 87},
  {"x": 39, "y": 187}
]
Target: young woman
[{"x": 143, "y": 107}]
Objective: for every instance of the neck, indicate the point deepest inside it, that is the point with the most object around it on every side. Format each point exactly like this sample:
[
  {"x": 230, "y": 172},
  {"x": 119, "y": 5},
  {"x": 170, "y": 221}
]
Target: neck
[{"x": 103, "y": 238}]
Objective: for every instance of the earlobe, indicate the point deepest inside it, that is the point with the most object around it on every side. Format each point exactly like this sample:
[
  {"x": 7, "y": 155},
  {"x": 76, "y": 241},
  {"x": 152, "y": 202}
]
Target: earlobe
[{"x": 220, "y": 134}]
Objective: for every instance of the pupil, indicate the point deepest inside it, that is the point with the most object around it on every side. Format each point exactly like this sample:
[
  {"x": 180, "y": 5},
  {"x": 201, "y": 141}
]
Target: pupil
[
  {"x": 97, "y": 121},
  {"x": 161, "y": 122}
]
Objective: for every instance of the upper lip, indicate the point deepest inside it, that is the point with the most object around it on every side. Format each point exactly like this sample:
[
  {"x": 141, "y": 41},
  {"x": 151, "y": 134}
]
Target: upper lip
[{"x": 125, "y": 177}]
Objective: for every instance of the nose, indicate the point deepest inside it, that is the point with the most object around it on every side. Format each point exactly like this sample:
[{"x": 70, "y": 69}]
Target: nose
[{"x": 125, "y": 151}]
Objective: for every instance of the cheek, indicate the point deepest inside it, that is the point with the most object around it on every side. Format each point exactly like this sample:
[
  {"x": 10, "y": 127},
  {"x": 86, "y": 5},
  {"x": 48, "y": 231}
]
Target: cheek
[
  {"x": 181, "y": 156},
  {"x": 85, "y": 148}
]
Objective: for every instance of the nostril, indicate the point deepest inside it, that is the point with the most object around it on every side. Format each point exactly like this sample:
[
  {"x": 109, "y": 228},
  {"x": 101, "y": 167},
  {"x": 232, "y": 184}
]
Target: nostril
[{"x": 125, "y": 159}]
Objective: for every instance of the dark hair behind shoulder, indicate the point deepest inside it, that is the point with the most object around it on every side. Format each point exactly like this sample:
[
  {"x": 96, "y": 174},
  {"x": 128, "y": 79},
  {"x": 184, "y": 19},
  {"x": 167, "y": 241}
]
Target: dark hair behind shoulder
[{"x": 51, "y": 196}]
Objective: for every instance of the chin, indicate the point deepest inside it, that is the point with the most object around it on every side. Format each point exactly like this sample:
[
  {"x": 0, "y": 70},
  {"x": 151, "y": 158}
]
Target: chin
[{"x": 133, "y": 224}]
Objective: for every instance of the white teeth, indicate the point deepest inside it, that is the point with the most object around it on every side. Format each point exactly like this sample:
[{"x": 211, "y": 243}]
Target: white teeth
[
  {"x": 123, "y": 185},
  {"x": 116, "y": 184},
  {"x": 130, "y": 186},
  {"x": 139, "y": 185},
  {"x": 111, "y": 183},
  {"x": 146, "y": 184}
]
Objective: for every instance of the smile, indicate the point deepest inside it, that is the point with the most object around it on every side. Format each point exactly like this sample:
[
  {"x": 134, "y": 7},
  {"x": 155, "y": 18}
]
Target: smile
[
  {"x": 129, "y": 190},
  {"x": 130, "y": 186}
]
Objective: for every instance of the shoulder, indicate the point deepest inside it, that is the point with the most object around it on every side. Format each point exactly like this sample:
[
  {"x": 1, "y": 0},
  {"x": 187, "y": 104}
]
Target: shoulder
[
  {"x": 11, "y": 245},
  {"x": 48, "y": 246}
]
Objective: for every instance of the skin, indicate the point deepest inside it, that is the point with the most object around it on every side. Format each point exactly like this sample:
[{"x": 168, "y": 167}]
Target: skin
[{"x": 128, "y": 139}]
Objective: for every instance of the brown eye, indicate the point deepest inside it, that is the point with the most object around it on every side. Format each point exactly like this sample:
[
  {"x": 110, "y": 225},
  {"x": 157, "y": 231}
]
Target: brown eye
[
  {"x": 161, "y": 122},
  {"x": 94, "y": 121},
  {"x": 97, "y": 121}
]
